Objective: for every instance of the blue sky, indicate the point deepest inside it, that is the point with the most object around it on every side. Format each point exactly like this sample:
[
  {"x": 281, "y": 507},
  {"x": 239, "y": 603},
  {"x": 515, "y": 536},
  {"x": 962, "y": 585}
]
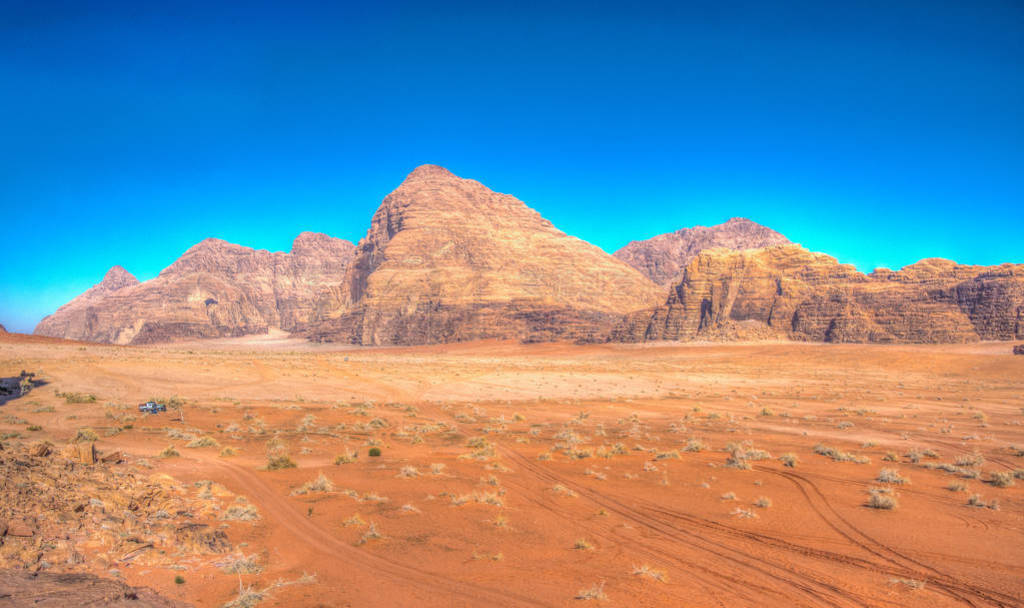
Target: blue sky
[{"x": 879, "y": 132}]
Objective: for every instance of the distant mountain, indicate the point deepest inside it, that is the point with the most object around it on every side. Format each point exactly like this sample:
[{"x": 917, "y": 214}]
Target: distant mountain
[
  {"x": 787, "y": 292},
  {"x": 214, "y": 289},
  {"x": 446, "y": 259},
  {"x": 664, "y": 257}
]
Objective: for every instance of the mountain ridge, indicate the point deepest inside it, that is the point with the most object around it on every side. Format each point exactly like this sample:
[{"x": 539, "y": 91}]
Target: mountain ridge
[{"x": 446, "y": 259}]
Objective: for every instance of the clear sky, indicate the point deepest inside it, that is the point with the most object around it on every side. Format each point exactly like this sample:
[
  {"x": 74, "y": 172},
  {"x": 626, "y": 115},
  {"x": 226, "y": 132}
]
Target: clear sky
[{"x": 880, "y": 132}]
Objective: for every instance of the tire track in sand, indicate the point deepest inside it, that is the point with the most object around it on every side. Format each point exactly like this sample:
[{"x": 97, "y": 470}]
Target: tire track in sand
[{"x": 278, "y": 510}]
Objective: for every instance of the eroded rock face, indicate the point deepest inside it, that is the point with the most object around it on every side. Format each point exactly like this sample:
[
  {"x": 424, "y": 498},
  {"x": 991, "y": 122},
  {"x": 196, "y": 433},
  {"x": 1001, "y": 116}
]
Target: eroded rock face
[
  {"x": 664, "y": 257},
  {"x": 215, "y": 289},
  {"x": 446, "y": 259},
  {"x": 789, "y": 292}
]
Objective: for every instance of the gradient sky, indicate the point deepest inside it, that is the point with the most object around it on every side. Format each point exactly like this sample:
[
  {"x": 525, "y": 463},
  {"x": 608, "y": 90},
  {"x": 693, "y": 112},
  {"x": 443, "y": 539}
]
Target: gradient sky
[{"x": 881, "y": 132}]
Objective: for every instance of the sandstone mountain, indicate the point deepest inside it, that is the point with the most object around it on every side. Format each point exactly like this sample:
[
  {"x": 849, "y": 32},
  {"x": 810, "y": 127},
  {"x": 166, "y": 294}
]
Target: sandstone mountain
[
  {"x": 664, "y": 257},
  {"x": 446, "y": 259},
  {"x": 215, "y": 289},
  {"x": 788, "y": 292}
]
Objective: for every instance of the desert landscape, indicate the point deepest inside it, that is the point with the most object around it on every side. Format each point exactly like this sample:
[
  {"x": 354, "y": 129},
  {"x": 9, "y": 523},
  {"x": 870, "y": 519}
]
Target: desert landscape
[
  {"x": 492, "y": 473},
  {"x": 511, "y": 304}
]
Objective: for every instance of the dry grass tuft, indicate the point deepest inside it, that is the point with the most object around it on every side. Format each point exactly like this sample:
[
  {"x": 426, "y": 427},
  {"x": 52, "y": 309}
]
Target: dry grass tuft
[
  {"x": 592, "y": 593},
  {"x": 649, "y": 572},
  {"x": 881, "y": 498},
  {"x": 320, "y": 484},
  {"x": 891, "y": 476}
]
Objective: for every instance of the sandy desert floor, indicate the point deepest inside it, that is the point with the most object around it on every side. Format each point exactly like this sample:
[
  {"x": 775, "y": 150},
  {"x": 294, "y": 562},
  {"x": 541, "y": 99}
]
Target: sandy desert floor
[{"x": 557, "y": 475}]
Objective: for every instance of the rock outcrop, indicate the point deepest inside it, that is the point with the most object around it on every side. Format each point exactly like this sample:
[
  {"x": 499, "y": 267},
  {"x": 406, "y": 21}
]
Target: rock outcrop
[
  {"x": 215, "y": 289},
  {"x": 788, "y": 292},
  {"x": 446, "y": 259},
  {"x": 664, "y": 257}
]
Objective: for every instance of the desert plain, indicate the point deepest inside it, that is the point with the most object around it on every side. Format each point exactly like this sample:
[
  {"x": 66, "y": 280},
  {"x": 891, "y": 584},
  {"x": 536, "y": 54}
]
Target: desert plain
[{"x": 757, "y": 474}]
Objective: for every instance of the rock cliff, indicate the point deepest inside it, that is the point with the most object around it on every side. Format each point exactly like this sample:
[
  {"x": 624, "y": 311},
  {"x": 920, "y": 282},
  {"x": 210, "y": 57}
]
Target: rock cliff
[
  {"x": 446, "y": 259},
  {"x": 788, "y": 292},
  {"x": 214, "y": 289},
  {"x": 664, "y": 257}
]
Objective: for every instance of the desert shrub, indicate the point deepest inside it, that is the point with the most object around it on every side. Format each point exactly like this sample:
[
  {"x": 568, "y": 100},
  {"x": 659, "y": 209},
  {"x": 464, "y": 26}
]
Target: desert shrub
[
  {"x": 374, "y": 452},
  {"x": 77, "y": 397},
  {"x": 969, "y": 460},
  {"x": 564, "y": 491},
  {"x": 975, "y": 500},
  {"x": 85, "y": 435},
  {"x": 729, "y": 496},
  {"x": 408, "y": 472},
  {"x": 648, "y": 571},
  {"x": 346, "y": 458},
  {"x": 789, "y": 459},
  {"x": 763, "y": 502},
  {"x": 592, "y": 593},
  {"x": 240, "y": 512},
  {"x": 370, "y": 534},
  {"x": 280, "y": 461},
  {"x": 203, "y": 442},
  {"x": 34, "y": 427},
  {"x": 320, "y": 484},
  {"x": 909, "y": 583},
  {"x": 1002, "y": 479},
  {"x": 582, "y": 544},
  {"x": 956, "y": 486},
  {"x": 743, "y": 513},
  {"x": 838, "y": 455},
  {"x": 881, "y": 498},
  {"x": 243, "y": 565},
  {"x": 179, "y": 580},
  {"x": 891, "y": 476},
  {"x": 694, "y": 445},
  {"x": 228, "y": 451},
  {"x": 487, "y": 498},
  {"x": 168, "y": 452}
]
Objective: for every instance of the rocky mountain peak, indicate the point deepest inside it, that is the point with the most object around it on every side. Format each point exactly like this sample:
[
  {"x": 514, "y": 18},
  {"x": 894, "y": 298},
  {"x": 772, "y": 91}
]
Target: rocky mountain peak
[
  {"x": 430, "y": 172},
  {"x": 664, "y": 257},
  {"x": 117, "y": 278},
  {"x": 319, "y": 244}
]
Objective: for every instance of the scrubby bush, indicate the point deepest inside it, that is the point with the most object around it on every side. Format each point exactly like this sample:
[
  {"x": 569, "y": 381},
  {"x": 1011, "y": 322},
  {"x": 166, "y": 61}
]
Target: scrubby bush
[
  {"x": 203, "y": 442},
  {"x": 85, "y": 435},
  {"x": 77, "y": 397},
  {"x": 280, "y": 461},
  {"x": 374, "y": 452},
  {"x": 169, "y": 452},
  {"x": 840, "y": 456},
  {"x": 789, "y": 459},
  {"x": 891, "y": 476},
  {"x": 881, "y": 498},
  {"x": 1003, "y": 479}
]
